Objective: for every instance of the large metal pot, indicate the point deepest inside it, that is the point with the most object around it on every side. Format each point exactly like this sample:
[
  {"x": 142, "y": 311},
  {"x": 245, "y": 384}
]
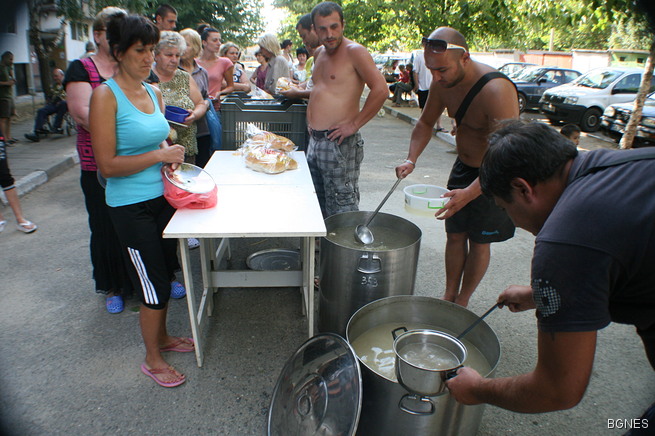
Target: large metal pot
[
  {"x": 389, "y": 409},
  {"x": 353, "y": 275}
]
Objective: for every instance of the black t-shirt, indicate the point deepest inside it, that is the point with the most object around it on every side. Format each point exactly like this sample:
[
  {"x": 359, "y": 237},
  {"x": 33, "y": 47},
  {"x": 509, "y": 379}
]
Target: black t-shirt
[{"x": 594, "y": 258}]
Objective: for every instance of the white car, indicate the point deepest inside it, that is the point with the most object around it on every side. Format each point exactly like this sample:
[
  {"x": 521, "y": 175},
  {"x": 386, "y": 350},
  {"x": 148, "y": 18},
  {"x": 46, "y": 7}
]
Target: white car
[{"x": 583, "y": 101}]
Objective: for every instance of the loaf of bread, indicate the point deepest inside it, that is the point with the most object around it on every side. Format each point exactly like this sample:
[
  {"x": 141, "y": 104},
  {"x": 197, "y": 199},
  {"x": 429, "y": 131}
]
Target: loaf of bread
[
  {"x": 268, "y": 160},
  {"x": 274, "y": 141}
]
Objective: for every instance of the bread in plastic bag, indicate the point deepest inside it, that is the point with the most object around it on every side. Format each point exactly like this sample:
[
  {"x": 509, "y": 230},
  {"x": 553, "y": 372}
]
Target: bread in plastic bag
[
  {"x": 268, "y": 160},
  {"x": 259, "y": 137}
]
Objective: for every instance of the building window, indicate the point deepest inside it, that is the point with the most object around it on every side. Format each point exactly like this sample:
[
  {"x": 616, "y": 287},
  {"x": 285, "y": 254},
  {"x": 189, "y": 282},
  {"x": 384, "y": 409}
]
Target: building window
[
  {"x": 621, "y": 58},
  {"x": 641, "y": 60},
  {"x": 79, "y": 31}
]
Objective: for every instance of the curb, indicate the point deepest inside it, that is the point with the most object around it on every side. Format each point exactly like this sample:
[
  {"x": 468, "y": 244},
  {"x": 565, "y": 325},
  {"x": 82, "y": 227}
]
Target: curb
[{"x": 33, "y": 180}]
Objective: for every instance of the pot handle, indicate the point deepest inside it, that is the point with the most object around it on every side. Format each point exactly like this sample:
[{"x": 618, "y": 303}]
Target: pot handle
[
  {"x": 452, "y": 373},
  {"x": 395, "y": 334},
  {"x": 413, "y": 398},
  {"x": 369, "y": 264}
]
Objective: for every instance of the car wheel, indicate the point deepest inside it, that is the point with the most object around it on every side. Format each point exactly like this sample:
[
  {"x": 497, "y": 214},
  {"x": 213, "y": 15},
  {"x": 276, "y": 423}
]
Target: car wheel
[
  {"x": 523, "y": 102},
  {"x": 590, "y": 120}
]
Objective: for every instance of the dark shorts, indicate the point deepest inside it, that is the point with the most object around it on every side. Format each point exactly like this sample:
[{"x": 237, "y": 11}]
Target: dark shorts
[
  {"x": 6, "y": 180},
  {"x": 7, "y": 108},
  {"x": 153, "y": 259},
  {"x": 481, "y": 219}
]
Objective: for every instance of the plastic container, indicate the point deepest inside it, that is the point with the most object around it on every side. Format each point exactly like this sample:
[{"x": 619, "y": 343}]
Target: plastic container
[
  {"x": 176, "y": 114},
  {"x": 425, "y": 199},
  {"x": 286, "y": 118}
]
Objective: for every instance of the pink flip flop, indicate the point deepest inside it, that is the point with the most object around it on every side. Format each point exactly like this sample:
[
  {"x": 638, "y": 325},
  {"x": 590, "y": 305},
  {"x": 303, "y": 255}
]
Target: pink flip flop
[
  {"x": 152, "y": 373},
  {"x": 175, "y": 346}
]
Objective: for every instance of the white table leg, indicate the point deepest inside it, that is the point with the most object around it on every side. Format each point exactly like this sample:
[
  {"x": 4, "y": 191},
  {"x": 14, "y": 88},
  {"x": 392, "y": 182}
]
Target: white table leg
[
  {"x": 190, "y": 298},
  {"x": 309, "y": 246}
]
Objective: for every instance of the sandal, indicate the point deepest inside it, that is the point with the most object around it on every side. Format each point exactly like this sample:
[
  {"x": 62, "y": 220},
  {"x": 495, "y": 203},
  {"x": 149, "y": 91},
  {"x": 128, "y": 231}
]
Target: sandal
[
  {"x": 3, "y": 224},
  {"x": 153, "y": 372},
  {"x": 115, "y": 304},
  {"x": 26, "y": 226},
  {"x": 177, "y": 290},
  {"x": 176, "y": 345}
]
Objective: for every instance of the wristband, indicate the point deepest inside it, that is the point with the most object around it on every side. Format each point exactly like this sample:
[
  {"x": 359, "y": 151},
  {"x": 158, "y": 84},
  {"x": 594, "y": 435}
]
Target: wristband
[{"x": 410, "y": 162}]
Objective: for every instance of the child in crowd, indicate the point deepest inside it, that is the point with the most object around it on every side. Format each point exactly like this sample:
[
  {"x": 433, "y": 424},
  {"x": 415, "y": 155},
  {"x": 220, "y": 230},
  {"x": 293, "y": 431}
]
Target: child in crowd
[{"x": 572, "y": 132}]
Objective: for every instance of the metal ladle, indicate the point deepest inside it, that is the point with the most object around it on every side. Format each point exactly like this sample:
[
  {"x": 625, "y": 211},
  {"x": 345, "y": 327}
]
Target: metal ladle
[
  {"x": 362, "y": 232},
  {"x": 479, "y": 320}
]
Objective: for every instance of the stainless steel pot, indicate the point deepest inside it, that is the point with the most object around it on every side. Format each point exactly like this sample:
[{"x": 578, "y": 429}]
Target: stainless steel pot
[
  {"x": 388, "y": 408},
  {"x": 352, "y": 276},
  {"x": 425, "y": 359}
]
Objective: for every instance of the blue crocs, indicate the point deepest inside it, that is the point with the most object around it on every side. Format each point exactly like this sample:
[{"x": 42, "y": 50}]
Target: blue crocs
[
  {"x": 115, "y": 304},
  {"x": 177, "y": 290}
]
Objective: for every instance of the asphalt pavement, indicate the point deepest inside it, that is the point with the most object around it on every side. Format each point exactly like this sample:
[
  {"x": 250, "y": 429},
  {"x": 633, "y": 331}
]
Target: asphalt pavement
[{"x": 69, "y": 367}]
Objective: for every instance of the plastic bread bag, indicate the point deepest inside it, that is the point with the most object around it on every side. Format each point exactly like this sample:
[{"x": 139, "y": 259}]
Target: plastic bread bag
[
  {"x": 268, "y": 160},
  {"x": 259, "y": 94},
  {"x": 259, "y": 137},
  {"x": 283, "y": 84}
]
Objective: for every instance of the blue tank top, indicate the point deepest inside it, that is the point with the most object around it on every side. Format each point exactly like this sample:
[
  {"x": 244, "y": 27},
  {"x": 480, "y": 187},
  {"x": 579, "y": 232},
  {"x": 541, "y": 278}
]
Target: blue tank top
[{"x": 136, "y": 133}]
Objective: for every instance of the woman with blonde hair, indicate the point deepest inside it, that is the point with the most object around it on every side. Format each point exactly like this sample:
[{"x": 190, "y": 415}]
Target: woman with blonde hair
[
  {"x": 82, "y": 77},
  {"x": 277, "y": 65},
  {"x": 199, "y": 74},
  {"x": 231, "y": 51}
]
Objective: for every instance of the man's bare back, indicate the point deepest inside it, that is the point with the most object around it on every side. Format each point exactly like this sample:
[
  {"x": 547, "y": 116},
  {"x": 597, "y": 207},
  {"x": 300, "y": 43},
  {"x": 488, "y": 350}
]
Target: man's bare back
[{"x": 337, "y": 88}]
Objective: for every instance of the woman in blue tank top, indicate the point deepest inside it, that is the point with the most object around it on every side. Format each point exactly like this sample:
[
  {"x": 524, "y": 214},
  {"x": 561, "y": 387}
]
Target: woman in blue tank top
[{"x": 128, "y": 133}]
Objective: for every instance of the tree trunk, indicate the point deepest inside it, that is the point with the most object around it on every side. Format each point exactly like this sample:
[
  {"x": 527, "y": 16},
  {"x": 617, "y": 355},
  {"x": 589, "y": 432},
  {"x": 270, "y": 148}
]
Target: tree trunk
[{"x": 631, "y": 128}]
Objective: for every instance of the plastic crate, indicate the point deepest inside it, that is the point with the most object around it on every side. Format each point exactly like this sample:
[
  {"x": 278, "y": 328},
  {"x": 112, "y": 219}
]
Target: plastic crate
[{"x": 286, "y": 118}]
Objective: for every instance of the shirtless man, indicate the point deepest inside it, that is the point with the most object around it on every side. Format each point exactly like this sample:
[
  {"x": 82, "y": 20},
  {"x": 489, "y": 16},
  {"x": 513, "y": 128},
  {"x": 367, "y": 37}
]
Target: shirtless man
[
  {"x": 341, "y": 69},
  {"x": 473, "y": 221}
]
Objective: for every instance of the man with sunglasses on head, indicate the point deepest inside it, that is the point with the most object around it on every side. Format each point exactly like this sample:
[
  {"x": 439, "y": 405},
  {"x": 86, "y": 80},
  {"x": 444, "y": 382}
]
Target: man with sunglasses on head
[
  {"x": 477, "y": 96},
  {"x": 341, "y": 69}
]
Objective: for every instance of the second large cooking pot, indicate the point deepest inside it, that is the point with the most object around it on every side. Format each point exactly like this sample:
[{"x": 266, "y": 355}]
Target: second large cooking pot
[
  {"x": 353, "y": 274},
  {"x": 387, "y": 408}
]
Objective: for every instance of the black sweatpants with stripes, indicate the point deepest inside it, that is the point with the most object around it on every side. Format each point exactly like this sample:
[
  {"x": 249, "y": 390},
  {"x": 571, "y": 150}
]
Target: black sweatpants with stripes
[{"x": 153, "y": 259}]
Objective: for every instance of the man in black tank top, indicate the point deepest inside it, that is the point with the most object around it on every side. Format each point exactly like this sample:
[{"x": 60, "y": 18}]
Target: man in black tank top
[{"x": 477, "y": 96}]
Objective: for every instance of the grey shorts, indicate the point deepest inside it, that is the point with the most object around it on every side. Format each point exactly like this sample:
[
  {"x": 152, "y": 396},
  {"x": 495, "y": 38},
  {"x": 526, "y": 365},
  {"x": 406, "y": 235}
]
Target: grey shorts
[
  {"x": 7, "y": 108},
  {"x": 335, "y": 171}
]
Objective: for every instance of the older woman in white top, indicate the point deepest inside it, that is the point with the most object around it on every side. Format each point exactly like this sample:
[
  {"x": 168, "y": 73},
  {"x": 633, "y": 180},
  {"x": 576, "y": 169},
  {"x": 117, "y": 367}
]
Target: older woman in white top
[{"x": 277, "y": 65}]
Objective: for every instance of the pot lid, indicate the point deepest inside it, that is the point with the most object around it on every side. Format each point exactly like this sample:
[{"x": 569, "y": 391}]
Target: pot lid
[
  {"x": 275, "y": 259},
  {"x": 190, "y": 178},
  {"x": 319, "y": 391}
]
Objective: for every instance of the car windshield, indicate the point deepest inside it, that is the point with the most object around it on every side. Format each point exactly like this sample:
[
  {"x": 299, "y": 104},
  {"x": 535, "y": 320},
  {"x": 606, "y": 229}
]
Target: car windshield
[
  {"x": 530, "y": 74},
  {"x": 599, "y": 79}
]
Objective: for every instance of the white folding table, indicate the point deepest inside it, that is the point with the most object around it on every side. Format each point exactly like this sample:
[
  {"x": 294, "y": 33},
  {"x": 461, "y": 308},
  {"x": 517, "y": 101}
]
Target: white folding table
[{"x": 250, "y": 205}]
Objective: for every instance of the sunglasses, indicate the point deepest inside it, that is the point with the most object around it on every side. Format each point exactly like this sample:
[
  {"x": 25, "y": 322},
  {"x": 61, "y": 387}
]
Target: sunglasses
[{"x": 439, "y": 45}]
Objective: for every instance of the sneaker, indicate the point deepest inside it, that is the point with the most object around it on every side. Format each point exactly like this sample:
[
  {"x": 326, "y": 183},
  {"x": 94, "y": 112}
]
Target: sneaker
[
  {"x": 59, "y": 131},
  {"x": 193, "y": 243},
  {"x": 177, "y": 290},
  {"x": 115, "y": 304},
  {"x": 42, "y": 131},
  {"x": 32, "y": 137}
]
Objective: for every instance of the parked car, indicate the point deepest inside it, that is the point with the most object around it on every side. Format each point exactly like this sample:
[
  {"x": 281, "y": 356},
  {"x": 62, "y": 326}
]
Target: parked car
[
  {"x": 511, "y": 69},
  {"x": 385, "y": 59},
  {"x": 583, "y": 101},
  {"x": 533, "y": 81},
  {"x": 616, "y": 117}
]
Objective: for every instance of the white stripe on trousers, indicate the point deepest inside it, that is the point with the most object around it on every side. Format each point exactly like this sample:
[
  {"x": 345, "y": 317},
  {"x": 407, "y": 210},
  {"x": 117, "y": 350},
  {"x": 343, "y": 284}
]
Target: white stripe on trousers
[{"x": 149, "y": 293}]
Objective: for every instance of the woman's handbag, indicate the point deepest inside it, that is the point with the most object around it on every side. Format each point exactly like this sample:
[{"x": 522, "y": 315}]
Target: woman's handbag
[{"x": 215, "y": 128}]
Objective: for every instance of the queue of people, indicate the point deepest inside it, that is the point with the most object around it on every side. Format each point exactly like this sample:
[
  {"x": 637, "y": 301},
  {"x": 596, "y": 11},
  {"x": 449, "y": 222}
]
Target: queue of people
[{"x": 506, "y": 174}]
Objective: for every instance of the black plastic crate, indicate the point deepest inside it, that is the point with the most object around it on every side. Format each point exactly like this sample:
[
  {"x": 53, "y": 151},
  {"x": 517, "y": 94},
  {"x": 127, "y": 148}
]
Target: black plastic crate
[{"x": 286, "y": 118}]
